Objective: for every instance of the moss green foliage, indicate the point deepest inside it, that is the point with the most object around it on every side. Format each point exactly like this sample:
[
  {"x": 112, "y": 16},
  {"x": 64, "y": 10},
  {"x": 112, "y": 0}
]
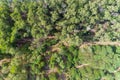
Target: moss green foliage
[{"x": 41, "y": 39}]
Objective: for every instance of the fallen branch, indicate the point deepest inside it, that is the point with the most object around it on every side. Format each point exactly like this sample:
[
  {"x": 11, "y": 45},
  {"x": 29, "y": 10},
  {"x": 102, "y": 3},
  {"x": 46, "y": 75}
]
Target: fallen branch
[{"x": 82, "y": 65}]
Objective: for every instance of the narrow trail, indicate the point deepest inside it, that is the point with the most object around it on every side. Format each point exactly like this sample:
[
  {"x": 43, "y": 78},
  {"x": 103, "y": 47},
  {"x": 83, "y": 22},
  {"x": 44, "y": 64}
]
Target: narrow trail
[
  {"x": 100, "y": 43},
  {"x": 85, "y": 44}
]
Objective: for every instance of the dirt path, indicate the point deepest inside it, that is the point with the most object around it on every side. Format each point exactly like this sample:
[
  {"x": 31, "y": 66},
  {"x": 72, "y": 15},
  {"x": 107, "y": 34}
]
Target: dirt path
[{"x": 100, "y": 43}]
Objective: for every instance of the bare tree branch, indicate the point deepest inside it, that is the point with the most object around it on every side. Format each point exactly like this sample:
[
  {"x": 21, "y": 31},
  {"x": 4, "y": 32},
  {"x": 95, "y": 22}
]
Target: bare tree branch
[{"x": 82, "y": 65}]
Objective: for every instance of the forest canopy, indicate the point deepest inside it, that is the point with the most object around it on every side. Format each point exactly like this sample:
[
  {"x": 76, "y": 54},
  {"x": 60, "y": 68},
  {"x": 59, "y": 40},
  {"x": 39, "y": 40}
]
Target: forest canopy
[{"x": 59, "y": 39}]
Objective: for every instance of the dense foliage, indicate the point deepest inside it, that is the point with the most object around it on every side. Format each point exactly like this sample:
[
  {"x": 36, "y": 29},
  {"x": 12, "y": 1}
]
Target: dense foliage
[{"x": 41, "y": 39}]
